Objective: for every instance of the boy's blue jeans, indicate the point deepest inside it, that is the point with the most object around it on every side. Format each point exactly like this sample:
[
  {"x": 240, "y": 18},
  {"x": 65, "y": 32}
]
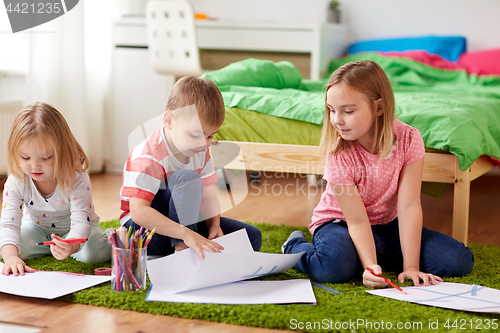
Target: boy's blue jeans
[
  {"x": 180, "y": 198},
  {"x": 332, "y": 256}
]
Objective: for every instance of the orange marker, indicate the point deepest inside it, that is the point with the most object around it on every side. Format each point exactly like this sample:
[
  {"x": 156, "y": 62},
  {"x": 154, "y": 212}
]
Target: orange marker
[{"x": 386, "y": 280}]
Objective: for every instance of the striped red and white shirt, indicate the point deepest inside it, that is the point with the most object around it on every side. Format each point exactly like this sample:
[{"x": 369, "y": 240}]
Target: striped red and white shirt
[{"x": 152, "y": 161}]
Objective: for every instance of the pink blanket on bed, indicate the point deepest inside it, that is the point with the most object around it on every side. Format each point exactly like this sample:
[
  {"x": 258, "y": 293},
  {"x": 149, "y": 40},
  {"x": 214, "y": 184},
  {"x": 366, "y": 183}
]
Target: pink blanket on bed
[
  {"x": 480, "y": 62},
  {"x": 495, "y": 160}
]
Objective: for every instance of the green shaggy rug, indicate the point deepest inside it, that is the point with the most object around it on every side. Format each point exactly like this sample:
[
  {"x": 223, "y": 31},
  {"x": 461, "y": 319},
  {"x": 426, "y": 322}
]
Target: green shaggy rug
[{"x": 352, "y": 311}]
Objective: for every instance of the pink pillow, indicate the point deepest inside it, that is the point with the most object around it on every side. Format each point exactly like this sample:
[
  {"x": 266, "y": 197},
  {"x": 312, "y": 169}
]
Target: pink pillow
[
  {"x": 434, "y": 60},
  {"x": 481, "y": 62}
]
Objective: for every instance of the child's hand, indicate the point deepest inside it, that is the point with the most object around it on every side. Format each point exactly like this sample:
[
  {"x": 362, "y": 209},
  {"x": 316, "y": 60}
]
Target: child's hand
[
  {"x": 15, "y": 265},
  {"x": 374, "y": 281},
  {"x": 61, "y": 250},
  {"x": 200, "y": 243},
  {"x": 416, "y": 276},
  {"x": 215, "y": 232}
]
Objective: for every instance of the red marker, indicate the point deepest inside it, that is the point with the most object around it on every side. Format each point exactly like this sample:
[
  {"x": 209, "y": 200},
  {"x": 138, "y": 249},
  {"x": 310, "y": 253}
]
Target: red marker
[
  {"x": 69, "y": 241},
  {"x": 386, "y": 280}
]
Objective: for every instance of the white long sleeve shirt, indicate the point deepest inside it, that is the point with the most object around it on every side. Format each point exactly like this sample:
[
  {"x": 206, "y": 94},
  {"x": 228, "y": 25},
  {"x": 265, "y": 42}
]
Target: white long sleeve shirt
[{"x": 55, "y": 213}]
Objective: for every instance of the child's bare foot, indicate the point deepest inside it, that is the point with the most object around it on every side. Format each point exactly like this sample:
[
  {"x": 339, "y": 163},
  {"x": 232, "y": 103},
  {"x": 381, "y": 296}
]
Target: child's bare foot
[{"x": 180, "y": 246}]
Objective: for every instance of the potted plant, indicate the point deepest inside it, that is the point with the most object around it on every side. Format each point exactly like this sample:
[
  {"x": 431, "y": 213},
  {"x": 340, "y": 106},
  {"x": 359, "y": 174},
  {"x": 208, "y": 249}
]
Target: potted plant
[{"x": 333, "y": 15}]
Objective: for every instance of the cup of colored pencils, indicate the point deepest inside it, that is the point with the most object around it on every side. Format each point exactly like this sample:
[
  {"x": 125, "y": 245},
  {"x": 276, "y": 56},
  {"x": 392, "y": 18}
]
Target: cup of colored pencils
[{"x": 128, "y": 259}]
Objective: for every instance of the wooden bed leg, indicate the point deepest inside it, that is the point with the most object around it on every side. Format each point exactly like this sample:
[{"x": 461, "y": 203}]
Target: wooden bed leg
[{"x": 461, "y": 195}]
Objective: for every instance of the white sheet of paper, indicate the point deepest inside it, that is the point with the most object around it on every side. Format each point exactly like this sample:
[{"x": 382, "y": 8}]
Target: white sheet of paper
[
  {"x": 221, "y": 268},
  {"x": 184, "y": 277},
  {"x": 166, "y": 270},
  {"x": 47, "y": 285},
  {"x": 456, "y": 296},
  {"x": 243, "y": 292},
  {"x": 185, "y": 270}
]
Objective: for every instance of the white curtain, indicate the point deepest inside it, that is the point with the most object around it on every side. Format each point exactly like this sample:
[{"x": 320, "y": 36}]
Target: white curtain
[{"x": 69, "y": 65}]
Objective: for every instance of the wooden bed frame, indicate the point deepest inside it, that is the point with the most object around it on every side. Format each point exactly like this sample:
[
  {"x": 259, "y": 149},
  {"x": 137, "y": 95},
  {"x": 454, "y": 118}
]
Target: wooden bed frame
[{"x": 442, "y": 168}]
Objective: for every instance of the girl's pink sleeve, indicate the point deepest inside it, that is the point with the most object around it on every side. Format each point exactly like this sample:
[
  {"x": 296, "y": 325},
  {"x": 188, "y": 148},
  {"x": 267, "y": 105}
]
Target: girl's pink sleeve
[{"x": 414, "y": 146}]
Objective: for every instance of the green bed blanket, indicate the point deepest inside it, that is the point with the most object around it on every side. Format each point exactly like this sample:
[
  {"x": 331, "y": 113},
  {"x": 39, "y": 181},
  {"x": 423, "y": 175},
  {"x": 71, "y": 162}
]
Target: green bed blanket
[
  {"x": 251, "y": 126},
  {"x": 454, "y": 111}
]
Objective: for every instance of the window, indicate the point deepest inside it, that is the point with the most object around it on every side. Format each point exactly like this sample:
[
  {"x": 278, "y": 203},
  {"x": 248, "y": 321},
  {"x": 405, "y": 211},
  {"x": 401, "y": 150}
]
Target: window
[{"x": 15, "y": 48}]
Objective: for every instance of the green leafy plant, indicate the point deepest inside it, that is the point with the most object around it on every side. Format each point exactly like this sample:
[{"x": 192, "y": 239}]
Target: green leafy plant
[{"x": 333, "y": 5}]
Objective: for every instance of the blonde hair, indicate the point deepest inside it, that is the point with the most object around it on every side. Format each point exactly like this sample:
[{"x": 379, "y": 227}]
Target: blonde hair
[
  {"x": 201, "y": 92},
  {"x": 370, "y": 79},
  {"x": 43, "y": 123}
]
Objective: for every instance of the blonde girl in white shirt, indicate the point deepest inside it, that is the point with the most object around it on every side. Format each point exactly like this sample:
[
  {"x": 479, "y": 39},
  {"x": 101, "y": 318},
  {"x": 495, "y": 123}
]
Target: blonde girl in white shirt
[{"x": 47, "y": 195}]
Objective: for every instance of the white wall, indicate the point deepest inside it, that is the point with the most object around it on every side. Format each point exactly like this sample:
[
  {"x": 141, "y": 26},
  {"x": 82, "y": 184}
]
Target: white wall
[
  {"x": 12, "y": 87},
  {"x": 477, "y": 20},
  {"x": 268, "y": 10}
]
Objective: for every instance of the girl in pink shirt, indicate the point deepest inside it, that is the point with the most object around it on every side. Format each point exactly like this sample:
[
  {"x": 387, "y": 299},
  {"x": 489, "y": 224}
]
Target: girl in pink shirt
[{"x": 370, "y": 213}]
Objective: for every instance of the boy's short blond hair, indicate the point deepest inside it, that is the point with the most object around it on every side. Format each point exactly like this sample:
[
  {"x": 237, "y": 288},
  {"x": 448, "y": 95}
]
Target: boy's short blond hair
[{"x": 201, "y": 92}]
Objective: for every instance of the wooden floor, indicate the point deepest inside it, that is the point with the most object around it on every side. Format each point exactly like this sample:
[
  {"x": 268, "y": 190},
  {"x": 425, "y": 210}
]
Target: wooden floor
[
  {"x": 60, "y": 317},
  {"x": 278, "y": 199}
]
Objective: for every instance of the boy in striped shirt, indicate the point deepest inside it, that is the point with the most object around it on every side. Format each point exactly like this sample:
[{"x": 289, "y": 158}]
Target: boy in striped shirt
[{"x": 168, "y": 180}]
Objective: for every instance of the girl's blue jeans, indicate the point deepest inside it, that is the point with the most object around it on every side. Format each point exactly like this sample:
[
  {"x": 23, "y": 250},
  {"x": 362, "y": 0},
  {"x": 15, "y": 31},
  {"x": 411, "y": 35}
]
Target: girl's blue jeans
[
  {"x": 332, "y": 256},
  {"x": 179, "y": 199}
]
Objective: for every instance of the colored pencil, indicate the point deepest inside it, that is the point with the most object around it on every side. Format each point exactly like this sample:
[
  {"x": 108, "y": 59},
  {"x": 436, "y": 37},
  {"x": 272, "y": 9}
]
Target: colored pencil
[
  {"x": 150, "y": 236},
  {"x": 127, "y": 265},
  {"x": 68, "y": 241},
  {"x": 386, "y": 280}
]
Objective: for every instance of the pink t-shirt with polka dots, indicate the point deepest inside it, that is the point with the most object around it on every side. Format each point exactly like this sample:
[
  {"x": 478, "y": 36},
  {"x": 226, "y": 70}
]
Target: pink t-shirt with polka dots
[{"x": 377, "y": 182}]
